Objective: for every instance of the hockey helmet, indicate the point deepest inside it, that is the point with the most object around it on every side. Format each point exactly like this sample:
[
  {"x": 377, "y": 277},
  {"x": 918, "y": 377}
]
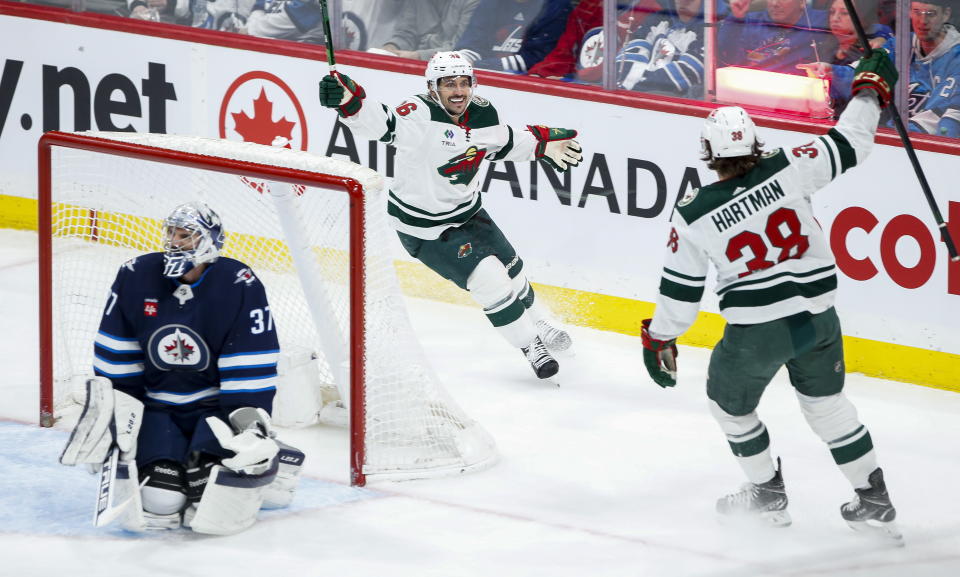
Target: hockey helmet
[
  {"x": 730, "y": 132},
  {"x": 206, "y": 235},
  {"x": 444, "y": 64}
]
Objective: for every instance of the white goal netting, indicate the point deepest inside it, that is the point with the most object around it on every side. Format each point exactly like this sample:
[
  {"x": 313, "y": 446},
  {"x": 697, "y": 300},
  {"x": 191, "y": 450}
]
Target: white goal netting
[{"x": 106, "y": 207}]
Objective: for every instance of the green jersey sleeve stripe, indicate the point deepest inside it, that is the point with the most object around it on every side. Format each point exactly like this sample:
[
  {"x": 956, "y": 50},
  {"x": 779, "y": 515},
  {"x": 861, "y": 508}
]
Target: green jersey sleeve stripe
[
  {"x": 680, "y": 292},
  {"x": 831, "y": 156},
  {"x": 799, "y": 275},
  {"x": 672, "y": 272},
  {"x": 766, "y": 296},
  {"x": 848, "y": 157},
  {"x": 391, "y": 132},
  {"x": 506, "y": 148},
  {"x": 410, "y": 220},
  {"x": 394, "y": 199}
]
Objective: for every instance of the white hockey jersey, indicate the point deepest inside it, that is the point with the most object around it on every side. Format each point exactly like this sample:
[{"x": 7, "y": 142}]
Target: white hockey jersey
[
  {"x": 771, "y": 256},
  {"x": 438, "y": 161}
]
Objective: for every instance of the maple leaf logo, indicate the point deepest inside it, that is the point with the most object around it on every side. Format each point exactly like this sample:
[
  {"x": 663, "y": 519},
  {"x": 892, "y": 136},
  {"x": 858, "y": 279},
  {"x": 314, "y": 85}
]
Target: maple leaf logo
[
  {"x": 179, "y": 349},
  {"x": 261, "y": 128}
]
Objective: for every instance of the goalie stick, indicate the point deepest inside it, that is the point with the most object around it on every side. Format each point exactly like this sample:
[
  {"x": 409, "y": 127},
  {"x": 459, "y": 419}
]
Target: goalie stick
[
  {"x": 907, "y": 145},
  {"x": 108, "y": 509}
]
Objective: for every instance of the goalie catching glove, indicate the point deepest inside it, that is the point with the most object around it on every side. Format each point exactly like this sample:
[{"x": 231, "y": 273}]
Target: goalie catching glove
[
  {"x": 660, "y": 357},
  {"x": 340, "y": 92},
  {"x": 255, "y": 451},
  {"x": 556, "y": 147},
  {"x": 877, "y": 73}
]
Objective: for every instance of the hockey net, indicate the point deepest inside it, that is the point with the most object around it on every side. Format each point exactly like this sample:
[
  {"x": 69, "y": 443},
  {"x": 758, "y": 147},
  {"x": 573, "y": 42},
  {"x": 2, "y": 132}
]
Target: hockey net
[{"x": 300, "y": 221}]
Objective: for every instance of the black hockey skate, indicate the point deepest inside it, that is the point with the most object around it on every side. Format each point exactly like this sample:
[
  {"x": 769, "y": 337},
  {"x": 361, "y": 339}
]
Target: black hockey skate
[
  {"x": 766, "y": 501},
  {"x": 871, "y": 509},
  {"x": 555, "y": 338},
  {"x": 544, "y": 365}
]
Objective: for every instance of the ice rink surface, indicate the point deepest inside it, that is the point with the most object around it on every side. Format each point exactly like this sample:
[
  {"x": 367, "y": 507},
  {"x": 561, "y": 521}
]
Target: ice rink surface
[{"x": 606, "y": 475}]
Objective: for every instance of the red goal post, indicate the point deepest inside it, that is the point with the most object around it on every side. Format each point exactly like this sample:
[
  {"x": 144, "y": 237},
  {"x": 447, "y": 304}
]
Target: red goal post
[{"x": 95, "y": 177}]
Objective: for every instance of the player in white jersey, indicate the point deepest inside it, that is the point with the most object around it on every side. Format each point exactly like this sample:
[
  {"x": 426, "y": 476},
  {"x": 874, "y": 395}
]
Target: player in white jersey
[
  {"x": 776, "y": 280},
  {"x": 435, "y": 204}
]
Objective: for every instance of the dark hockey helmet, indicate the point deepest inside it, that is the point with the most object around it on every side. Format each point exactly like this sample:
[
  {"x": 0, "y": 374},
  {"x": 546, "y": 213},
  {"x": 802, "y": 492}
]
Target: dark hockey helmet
[{"x": 181, "y": 253}]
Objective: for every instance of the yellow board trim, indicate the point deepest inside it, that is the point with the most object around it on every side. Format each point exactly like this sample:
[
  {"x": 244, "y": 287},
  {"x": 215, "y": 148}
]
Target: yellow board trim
[{"x": 609, "y": 313}]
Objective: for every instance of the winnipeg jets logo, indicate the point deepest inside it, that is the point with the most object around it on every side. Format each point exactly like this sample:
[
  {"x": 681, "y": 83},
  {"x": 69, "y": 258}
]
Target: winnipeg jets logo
[
  {"x": 245, "y": 275},
  {"x": 178, "y": 348},
  {"x": 462, "y": 168}
]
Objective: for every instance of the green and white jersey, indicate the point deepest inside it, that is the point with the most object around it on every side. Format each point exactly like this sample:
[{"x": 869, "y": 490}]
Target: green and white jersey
[
  {"x": 771, "y": 257},
  {"x": 438, "y": 161}
]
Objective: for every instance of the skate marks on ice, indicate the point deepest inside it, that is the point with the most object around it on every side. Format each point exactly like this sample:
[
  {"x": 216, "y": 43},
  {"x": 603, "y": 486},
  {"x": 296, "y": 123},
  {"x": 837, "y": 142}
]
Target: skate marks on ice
[{"x": 39, "y": 496}]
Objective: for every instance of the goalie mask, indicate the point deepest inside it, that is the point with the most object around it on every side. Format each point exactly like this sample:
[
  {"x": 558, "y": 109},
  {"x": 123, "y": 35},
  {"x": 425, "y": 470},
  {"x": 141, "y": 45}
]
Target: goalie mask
[
  {"x": 443, "y": 65},
  {"x": 730, "y": 132},
  {"x": 193, "y": 235}
]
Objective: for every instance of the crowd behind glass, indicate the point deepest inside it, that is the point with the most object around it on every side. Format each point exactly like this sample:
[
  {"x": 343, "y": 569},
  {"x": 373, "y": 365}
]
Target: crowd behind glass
[{"x": 806, "y": 51}]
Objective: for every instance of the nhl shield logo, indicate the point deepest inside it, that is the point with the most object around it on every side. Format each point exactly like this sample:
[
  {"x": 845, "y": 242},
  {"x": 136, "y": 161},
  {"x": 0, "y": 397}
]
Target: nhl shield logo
[{"x": 465, "y": 250}]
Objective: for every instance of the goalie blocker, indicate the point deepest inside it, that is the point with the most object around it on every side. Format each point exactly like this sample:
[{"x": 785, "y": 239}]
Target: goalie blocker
[{"x": 263, "y": 473}]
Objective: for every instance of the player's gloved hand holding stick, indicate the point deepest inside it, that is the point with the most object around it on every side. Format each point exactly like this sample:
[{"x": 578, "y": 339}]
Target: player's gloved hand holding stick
[
  {"x": 557, "y": 147},
  {"x": 877, "y": 73},
  {"x": 337, "y": 90},
  {"x": 660, "y": 357}
]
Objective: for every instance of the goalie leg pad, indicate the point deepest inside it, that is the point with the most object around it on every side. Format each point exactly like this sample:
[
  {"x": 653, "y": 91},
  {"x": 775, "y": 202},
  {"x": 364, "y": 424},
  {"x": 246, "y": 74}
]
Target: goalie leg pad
[
  {"x": 231, "y": 500},
  {"x": 108, "y": 417},
  {"x": 491, "y": 287},
  {"x": 834, "y": 419},
  {"x": 92, "y": 437},
  {"x": 749, "y": 442},
  {"x": 279, "y": 493}
]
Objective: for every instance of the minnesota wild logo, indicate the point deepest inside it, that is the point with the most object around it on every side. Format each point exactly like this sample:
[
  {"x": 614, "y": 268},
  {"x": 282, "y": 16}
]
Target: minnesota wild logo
[{"x": 462, "y": 168}]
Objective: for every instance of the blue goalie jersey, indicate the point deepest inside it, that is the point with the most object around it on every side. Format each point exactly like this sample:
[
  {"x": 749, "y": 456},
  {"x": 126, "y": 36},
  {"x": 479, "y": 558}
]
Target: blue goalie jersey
[{"x": 208, "y": 345}]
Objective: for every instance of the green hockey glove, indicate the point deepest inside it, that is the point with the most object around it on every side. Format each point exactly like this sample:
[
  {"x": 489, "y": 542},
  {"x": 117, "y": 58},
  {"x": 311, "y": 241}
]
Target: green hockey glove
[
  {"x": 341, "y": 92},
  {"x": 877, "y": 73},
  {"x": 556, "y": 147},
  {"x": 660, "y": 357}
]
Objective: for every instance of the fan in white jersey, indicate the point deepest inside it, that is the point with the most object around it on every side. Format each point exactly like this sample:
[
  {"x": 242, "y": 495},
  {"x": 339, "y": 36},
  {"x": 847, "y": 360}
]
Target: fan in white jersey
[
  {"x": 442, "y": 137},
  {"x": 776, "y": 282}
]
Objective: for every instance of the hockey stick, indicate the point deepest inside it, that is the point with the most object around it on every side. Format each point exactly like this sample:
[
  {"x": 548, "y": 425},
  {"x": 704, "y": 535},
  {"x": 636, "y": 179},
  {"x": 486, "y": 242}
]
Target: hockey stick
[
  {"x": 107, "y": 509},
  {"x": 907, "y": 145},
  {"x": 327, "y": 38}
]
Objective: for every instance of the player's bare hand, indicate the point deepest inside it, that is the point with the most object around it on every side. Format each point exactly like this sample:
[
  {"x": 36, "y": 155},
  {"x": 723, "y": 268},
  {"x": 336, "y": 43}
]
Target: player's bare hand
[{"x": 817, "y": 69}]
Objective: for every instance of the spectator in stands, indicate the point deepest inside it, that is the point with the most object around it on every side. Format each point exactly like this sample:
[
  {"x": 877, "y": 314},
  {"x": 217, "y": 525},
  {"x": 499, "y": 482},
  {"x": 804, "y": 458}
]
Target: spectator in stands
[
  {"x": 665, "y": 55},
  {"x": 844, "y": 50},
  {"x": 169, "y": 11},
  {"x": 512, "y": 35},
  {"x": 934, "y": 69},
  {"x": 578, "y": 52},
  {"x": 374, "y": 20},
  {"x": 298, "y": 20},
  {"x": 787, "y": 33},
  {"x": 427, "y": 27}
]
